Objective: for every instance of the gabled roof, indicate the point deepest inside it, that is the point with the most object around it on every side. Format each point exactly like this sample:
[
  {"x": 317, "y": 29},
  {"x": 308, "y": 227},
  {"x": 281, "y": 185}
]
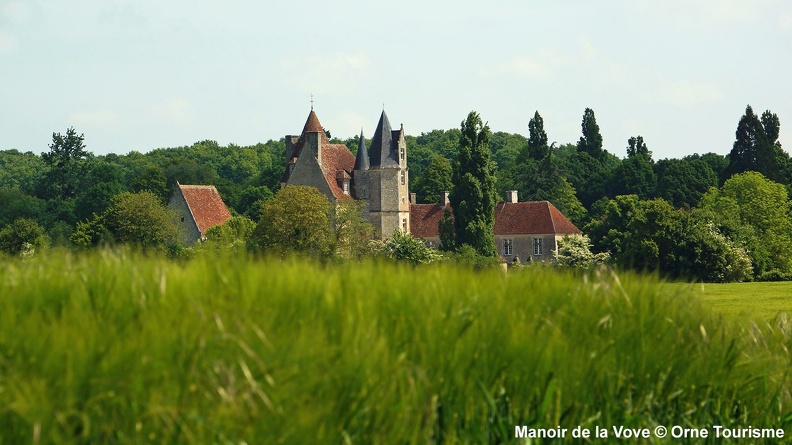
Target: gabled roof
[
  {"x": 382, "y": 153},
  {"x": 312, "y": 125},
  {"x": 511, "y": 218},
  {"x": 534, "y": 217},
  {"x": 425, "y": 219},
  {"x": 362, "y": 159},
  {"x": 206, "y": 206},
  {"x": 337, "y": 160}
]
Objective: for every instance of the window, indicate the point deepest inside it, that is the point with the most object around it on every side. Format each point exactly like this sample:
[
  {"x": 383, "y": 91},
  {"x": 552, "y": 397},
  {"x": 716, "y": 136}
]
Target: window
[
  {"x": 404, "y": 224},
  {"x": 402, "y": 177},
  {"x": 507, "y": 247},
  {"x": 346, "y": 186},
  {"x": 402, "y": 153},
  {"x": 537, "y": 246}
]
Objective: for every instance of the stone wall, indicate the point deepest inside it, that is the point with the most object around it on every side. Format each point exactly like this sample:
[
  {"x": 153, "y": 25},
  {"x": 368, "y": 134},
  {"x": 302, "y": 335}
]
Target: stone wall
[{"x": 188, "y": 229}]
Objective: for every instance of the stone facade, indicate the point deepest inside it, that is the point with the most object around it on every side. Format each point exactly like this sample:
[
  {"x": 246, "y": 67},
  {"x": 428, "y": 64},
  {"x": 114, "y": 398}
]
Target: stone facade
[
  {"x": 199, "y": 208},
  {"x": 377, "y": 176}
]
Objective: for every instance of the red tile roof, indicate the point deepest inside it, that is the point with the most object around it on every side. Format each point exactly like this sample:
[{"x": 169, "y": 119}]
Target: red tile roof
[
  {"x": 337, "y": 160},
  {"x": 206, "y": 206},
  {"x": 312, "y": 125},
  {"x": 519, "y": 218},
  {"x": 535, "y": 217},
  {"x": 424, "y": 220}
]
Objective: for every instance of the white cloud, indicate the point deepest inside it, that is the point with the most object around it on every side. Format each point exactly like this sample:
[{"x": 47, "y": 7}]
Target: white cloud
[
  {"x": 331, "y": 73},
  {"x": 97, "y": 118},
  {"x": 785, "y": 22},
  {"x": 8, "y": 43},
  {"x": 176, "y": 110},
  {"x": 543, "y": 64},
  {"x": 687, "y": 93},
  {"x": 17, "y": 11},
  {"x": 694, "y": 14}
]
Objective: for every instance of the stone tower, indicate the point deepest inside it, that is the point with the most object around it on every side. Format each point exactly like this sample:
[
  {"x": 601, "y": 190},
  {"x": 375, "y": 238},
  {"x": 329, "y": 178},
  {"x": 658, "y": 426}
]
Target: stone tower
[
  {"x": 388, "y": 191},
  {"x": 360, "y": 175}
]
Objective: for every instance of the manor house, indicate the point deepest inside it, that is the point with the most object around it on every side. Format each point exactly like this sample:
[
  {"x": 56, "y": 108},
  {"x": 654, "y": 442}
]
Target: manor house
[{"x": 378, "y": 176}]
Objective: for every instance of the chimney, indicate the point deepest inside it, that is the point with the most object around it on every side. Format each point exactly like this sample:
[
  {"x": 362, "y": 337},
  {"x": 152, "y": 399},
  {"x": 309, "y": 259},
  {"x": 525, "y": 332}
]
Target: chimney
[
  {"x": 444, "y": 198},
  {"x": 313, "y": 143},
  {"x": 291, "y": 141},
  {"x": 413, "y": 199},
  {"x": 511, "y": 196}
]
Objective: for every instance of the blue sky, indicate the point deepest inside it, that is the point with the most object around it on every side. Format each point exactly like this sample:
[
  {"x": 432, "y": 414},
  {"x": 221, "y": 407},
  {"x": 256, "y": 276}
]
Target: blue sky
[{"x": 139, "y": 75}]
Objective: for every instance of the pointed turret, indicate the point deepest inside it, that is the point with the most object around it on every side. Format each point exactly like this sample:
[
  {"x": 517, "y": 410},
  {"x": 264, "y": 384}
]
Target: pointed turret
[
  {"x": 362, "y": 160},
  {"x": 382, "y": 153}
]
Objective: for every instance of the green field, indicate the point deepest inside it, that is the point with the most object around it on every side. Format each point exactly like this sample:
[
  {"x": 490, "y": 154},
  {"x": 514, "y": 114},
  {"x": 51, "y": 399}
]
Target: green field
[
  {"x": 747, "y": 300},
  {"x": 122, "y": 348}
]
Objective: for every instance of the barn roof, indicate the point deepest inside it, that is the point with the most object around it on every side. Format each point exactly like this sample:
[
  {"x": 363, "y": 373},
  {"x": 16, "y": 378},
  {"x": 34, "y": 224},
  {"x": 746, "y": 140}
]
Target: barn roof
[
  {"x": 206, "y": 206},
  {"x": 511, "y": 218}
]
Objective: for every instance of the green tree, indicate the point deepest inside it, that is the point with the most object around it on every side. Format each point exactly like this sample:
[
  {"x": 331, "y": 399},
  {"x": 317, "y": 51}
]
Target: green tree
[
  {"x": 637, "y": 147},
  {"x": 755, "y": 211},
  {"x": 353, "y": 233},
  {"x": 141, "y": 219},
  {"x": 537, "y": 139},
  {"x": 64, "y": 162},
  {"x": 436, "y": 178},
  {"x": 684, "y": 182},
  {"x": 634, "y": 175},
  {"x": 152, "y": 178},
  {"x": 138, "y": 219},
  {"x": 474, "y": 196},
  {"x": 591, "y": 141},
  {"x": 15, "y": 204},
  {"x": 588, "y": 176},
  {"x": 251, "y": 200},
  {"x": 405, "y": 247},
  {"x": 574, "y": 251},
  {"x": 446, "y": 230},
  {"x": 20, "y": 171},
  {"x": 295, "y": 220},
  {"x": 756, "y": 148},
  {"x": 23, "y": 236},
  {"x": 101, "y": 182}
]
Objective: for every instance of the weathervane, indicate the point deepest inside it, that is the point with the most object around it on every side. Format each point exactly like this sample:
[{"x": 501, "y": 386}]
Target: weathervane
[{"x": 311, "y": 102}]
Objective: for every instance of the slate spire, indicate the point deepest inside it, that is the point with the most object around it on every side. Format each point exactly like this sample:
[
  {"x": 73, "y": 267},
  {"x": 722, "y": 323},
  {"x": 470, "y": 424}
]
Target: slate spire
[
  {"x": 362, "y": 159},
  {"x": 382, "y": 153}
]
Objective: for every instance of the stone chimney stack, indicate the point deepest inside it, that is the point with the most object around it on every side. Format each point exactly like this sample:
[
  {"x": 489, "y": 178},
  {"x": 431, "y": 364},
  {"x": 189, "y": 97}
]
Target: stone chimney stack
[
  {"x": 413, "y": 198},
  {"x": 291, "y": 141},
  {"x": 511, "y": 196},
  {"x": 444, "y": 198}
]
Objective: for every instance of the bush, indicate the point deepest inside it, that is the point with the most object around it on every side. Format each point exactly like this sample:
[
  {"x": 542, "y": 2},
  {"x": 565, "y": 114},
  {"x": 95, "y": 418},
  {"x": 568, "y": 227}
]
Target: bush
[{"x": 23, "y": 237}]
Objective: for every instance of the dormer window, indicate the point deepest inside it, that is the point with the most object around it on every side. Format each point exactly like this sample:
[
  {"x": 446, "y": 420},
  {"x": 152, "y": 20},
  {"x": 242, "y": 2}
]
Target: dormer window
[{"x": 346, "y": 186}]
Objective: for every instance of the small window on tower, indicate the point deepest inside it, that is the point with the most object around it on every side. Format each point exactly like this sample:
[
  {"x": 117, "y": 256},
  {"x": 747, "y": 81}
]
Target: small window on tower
[
  {"x": 402, "y": 154},
  {"x": 402, "y": 177},
  {"x": 404, "y": 224}
]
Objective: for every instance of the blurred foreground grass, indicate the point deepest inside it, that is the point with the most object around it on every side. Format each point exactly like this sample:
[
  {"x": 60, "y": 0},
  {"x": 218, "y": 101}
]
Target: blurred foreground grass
[{"x": 117, "y": 347}]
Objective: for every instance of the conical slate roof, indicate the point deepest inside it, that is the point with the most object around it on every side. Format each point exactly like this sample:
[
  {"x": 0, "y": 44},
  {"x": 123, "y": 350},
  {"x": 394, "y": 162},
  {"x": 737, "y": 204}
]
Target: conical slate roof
[
  {"x": 362, "y": 160},
  {"x": 383, "y": 155}
]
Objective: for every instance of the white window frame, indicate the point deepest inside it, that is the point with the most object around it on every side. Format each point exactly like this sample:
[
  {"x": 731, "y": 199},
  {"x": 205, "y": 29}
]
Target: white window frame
[
  {"x": 346, "y": 186},
  {"x": 508, "y": 247},
  {"x": 537, "y": 246}
]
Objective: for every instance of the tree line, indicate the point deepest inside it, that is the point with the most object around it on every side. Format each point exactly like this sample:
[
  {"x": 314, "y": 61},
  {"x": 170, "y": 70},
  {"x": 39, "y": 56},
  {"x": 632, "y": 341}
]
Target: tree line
[{"x": 704, "y": 216}]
